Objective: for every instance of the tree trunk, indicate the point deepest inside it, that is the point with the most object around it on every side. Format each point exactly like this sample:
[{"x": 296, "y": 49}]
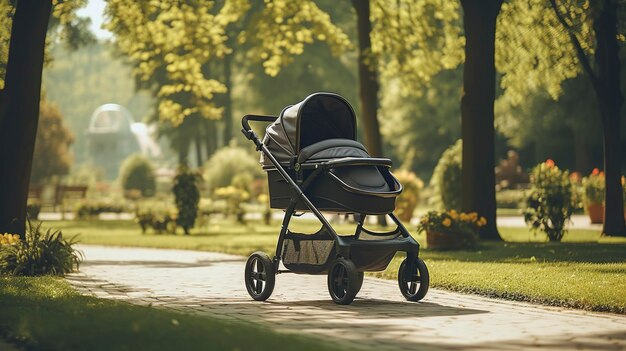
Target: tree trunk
[
  {"x": 368, "y": 85},
  {"x": 228, "y": 101},
  {"x": 610, "y": 100},
  {"x": 210, "y": 137},
  {"x": 198, "y": 145},
  {"x": 20, "y": 110},
  {"x": 477, "y": 115}
]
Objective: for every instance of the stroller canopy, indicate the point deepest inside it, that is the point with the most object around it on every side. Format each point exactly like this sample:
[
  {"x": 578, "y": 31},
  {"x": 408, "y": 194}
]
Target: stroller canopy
[{"x": 319, "y": 117}]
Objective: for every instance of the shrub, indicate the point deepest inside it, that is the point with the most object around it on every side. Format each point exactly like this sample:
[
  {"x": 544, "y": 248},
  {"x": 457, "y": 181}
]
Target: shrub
[
  {"x": 228, "y": 162},
  {"x": 137, "y": 173},
  {"x": 446, "y": 178},
  {"x": 187, "y": 197},
  {"x": 235, "y": 197},
  {"x": 593, "y": 186},
  {"x": 91, "y": 209},
  {"x": 38, "y": 254},
  {"x": 462, "y": 225},
  {"x": 551, "y": 200},
  {"x": 510, "y": 198},
  {"x": 32, "y": 210},
  {"x": 407, "y": 201}
]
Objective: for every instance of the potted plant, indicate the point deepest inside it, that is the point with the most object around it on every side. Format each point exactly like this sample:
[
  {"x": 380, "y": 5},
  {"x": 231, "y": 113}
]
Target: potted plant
[
  {"x": 450, "y": 230},
  {"x": 593, "y": 186}
]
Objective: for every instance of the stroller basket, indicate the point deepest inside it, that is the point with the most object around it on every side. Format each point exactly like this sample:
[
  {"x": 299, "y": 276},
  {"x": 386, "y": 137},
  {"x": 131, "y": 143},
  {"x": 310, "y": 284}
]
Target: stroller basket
[{"x": 314, "y": 253}]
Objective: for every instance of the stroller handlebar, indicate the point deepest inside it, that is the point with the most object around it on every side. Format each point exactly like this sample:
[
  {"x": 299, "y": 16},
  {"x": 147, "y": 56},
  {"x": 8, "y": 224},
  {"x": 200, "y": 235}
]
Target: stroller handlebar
[
  {"x": 256, "y": 118},
  {"x": 353, "y": 161}
]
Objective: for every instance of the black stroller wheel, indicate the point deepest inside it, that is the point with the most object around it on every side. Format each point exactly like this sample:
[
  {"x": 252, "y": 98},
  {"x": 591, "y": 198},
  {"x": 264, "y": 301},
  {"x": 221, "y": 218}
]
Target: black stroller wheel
[
  {"x": 413, "y": 285},
  {"x": 260, "y": 276},
  {"x": 343, "y": 281},
  {"x": 360, "y": 275}
]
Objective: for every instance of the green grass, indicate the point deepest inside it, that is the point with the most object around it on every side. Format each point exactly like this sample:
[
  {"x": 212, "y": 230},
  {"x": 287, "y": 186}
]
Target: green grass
[
  {"x": 45, "y": 313},
  {"x": 584, "y": 271}
]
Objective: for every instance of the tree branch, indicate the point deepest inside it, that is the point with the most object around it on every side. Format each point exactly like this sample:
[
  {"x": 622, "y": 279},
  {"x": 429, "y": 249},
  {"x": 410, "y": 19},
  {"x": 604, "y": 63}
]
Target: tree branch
[{"x": 582, "y": 57}]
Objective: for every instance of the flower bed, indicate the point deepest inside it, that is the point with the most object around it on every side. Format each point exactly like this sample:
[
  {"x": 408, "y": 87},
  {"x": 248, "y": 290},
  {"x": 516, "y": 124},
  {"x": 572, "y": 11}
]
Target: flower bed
[{"x": 450, "y": 230}]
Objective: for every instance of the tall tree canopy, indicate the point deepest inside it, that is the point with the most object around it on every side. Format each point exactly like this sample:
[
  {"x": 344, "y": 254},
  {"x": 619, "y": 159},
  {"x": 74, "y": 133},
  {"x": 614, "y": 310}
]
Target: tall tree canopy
[{"x": 173, "y": 45}]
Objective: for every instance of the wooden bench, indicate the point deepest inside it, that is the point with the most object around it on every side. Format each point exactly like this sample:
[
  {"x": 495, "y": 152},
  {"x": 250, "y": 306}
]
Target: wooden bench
[{"x": 68, "y": 192}]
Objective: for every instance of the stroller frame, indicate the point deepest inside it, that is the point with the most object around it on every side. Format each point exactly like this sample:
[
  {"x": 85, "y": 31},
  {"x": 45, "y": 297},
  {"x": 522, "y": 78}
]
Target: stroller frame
[{"x": 412, "y": 271}]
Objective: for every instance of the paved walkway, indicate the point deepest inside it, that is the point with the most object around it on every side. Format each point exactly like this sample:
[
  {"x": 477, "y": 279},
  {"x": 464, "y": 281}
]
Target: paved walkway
[{"x": 379, "y": 319}]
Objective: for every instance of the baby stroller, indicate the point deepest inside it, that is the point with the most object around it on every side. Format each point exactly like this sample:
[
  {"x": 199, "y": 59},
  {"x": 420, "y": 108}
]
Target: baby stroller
[{"x": 314, "y": 164}]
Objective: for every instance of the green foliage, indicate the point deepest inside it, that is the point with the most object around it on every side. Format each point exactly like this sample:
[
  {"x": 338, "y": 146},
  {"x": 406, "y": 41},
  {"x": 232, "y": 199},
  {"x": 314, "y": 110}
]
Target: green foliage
[
  {"x": 512, "y": 198},
  {"x": 407, "y": 201},
  {"x": 594, "y": 187},
  {"x": 551, "y": 200},
  {"x": 413, "y": 41},
  {"x": 235, "y": 197},
  {"x": 79, "y": 81},
  {"x": 187, "y": 197},
  {"x": 52, "y": 156},
  {"x": 446, "y": 179},
  {"x": 534, "y": 51},
  {"x": 420, "y": 128},
  {"x": 63, "y": 23},
  {"x": 39, "y": 254},
  {"x": 227, "y": 163},
  {"x": 90, "y": 209},
  {"x": 137, "y": 173}
]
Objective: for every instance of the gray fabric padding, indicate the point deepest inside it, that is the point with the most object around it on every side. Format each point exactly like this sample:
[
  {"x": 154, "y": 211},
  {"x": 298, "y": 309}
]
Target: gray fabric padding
[
  {"x": 319, "y": 117},
  {"x": 363, "y": 177},
  {"x": 332, "y": 148}
]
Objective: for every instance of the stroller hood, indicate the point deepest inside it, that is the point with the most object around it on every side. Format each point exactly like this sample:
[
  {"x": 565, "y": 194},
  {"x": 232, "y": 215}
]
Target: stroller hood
[{"x": 320, "y": 116}]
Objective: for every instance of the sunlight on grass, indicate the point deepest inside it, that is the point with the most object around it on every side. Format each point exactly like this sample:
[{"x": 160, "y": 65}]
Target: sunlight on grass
[{"x": 584, "y": 271}]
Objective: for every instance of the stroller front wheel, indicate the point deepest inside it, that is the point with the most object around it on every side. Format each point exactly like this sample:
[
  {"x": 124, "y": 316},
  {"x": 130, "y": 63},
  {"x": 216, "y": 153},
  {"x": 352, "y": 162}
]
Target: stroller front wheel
[
  {"x": 343, "y": 281},
  {"x": 413, "y": 285},
  {"x": 260, "y": 276}
]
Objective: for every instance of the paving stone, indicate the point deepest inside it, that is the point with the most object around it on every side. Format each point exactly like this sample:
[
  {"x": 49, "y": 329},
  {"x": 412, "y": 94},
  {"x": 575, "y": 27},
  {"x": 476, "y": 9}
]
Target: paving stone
[{"x": 211, "y": 284}]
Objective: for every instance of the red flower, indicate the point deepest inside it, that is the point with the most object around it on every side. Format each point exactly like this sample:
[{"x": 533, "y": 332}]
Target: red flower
[
  {"x": 549, "y": 163},
  {"x": 595, "y": 171}
]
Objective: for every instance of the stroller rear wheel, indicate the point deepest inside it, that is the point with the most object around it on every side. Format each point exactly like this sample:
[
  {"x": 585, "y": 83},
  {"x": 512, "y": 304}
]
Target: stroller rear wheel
[
  {"x": 413, "y": 285},
  {"x": 260, "y": 276},
  {"x": 343, "y": 281}
]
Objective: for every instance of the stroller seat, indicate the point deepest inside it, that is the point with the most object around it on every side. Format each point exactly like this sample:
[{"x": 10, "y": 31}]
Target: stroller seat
[{"x": 360, "y": 177}]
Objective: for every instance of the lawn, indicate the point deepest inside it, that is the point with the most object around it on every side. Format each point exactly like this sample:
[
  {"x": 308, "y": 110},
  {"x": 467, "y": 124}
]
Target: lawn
[
  {"x": 584, "y": 271},
  {"x": 33, "y": 309}
]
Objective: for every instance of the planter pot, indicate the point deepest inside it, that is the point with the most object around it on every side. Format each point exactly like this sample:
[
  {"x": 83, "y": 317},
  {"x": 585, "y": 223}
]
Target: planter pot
[
  {"x": 596, "y": 212},
  {"x": 444, "y": 241}
]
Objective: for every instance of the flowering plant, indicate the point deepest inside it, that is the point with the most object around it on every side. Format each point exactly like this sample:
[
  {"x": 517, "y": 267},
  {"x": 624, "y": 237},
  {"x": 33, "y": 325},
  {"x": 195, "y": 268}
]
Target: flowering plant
[
  {"x": 9, "y": 239},
  {"x": 551, "y": 200},
  {"x": 594, "y": 187},
  {"x": 452, "y": 222}
]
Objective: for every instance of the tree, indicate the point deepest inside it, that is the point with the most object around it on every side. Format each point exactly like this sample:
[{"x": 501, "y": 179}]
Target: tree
[
  {"x": 19, "y": 102},
  {"x": 172, "y": 46},
  {"x": 477, "y": 112},
  {"x": 52, "y": 156},
  {"x": 19, "y": 110},
  {"x": 538, "y": 57},
  {"x": 606, "y": 84}
]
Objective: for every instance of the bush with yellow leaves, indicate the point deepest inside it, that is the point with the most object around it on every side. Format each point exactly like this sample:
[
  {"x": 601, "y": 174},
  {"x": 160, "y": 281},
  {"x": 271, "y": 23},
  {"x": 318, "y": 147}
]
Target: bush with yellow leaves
[{"x": 407, "y": 201}]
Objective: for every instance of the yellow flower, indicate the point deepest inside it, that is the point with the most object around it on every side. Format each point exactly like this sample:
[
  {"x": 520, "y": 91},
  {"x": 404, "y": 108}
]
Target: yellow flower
[
  {"x": 473, "y": 216},
  {"x": 446, "y": 222},
  {"x": 482, "y": 221},
  {"x": 464, "y": 217},
  {"x": 453, "y": 214}
]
